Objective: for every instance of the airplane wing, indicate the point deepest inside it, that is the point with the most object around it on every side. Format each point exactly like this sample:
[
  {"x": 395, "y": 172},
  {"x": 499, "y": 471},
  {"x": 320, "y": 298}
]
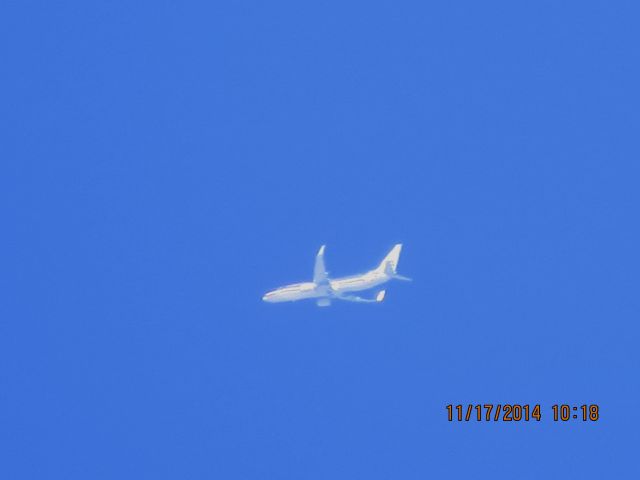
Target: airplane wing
[
  {"x": 319, "y": 272},
  {"x": 355, "y": 298}
]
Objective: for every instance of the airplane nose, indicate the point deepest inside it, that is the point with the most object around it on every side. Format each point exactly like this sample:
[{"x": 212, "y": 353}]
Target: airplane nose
[{"x": 270, "y": 296}]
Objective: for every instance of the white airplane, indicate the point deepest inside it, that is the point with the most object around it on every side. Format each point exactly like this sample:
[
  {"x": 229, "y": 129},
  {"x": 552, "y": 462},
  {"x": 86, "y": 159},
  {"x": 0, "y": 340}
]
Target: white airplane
[{"x": 324, "y": 289}]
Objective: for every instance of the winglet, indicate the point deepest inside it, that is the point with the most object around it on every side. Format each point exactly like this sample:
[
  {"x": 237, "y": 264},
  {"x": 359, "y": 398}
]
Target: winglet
[
  {"x": 380, "y": 295},
  {"x": 319, "y": 271}
]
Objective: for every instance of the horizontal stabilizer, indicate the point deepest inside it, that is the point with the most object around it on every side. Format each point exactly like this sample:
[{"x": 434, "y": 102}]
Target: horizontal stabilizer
[{"x": 402, "y": 277}]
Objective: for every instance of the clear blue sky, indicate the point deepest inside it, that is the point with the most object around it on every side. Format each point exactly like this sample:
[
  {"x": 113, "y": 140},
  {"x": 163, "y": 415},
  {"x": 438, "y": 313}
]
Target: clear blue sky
[{"x": 164, "y": 164}]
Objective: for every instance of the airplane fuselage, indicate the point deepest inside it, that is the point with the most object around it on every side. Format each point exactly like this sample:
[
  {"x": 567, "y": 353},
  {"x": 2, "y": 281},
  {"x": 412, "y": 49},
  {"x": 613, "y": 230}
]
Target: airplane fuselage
[{"x": 334, "y": 288}]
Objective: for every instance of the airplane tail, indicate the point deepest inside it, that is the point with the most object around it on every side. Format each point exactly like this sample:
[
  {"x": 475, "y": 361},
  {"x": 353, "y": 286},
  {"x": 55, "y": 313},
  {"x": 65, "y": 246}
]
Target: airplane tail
[{"x": 389, "y": 264}]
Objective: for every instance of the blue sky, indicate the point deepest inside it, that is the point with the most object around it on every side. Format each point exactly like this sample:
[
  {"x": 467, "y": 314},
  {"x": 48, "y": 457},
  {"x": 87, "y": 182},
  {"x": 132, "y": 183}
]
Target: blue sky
[{"x": 166, "y": 163}]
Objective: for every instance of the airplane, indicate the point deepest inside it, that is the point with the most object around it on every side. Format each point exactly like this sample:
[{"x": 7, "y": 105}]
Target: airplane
[{"x": 324, "y": 289}]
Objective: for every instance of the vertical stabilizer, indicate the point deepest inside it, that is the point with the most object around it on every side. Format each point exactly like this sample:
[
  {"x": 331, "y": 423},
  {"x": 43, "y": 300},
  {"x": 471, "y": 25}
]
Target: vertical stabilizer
[{"x": 390, "y": 263}]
